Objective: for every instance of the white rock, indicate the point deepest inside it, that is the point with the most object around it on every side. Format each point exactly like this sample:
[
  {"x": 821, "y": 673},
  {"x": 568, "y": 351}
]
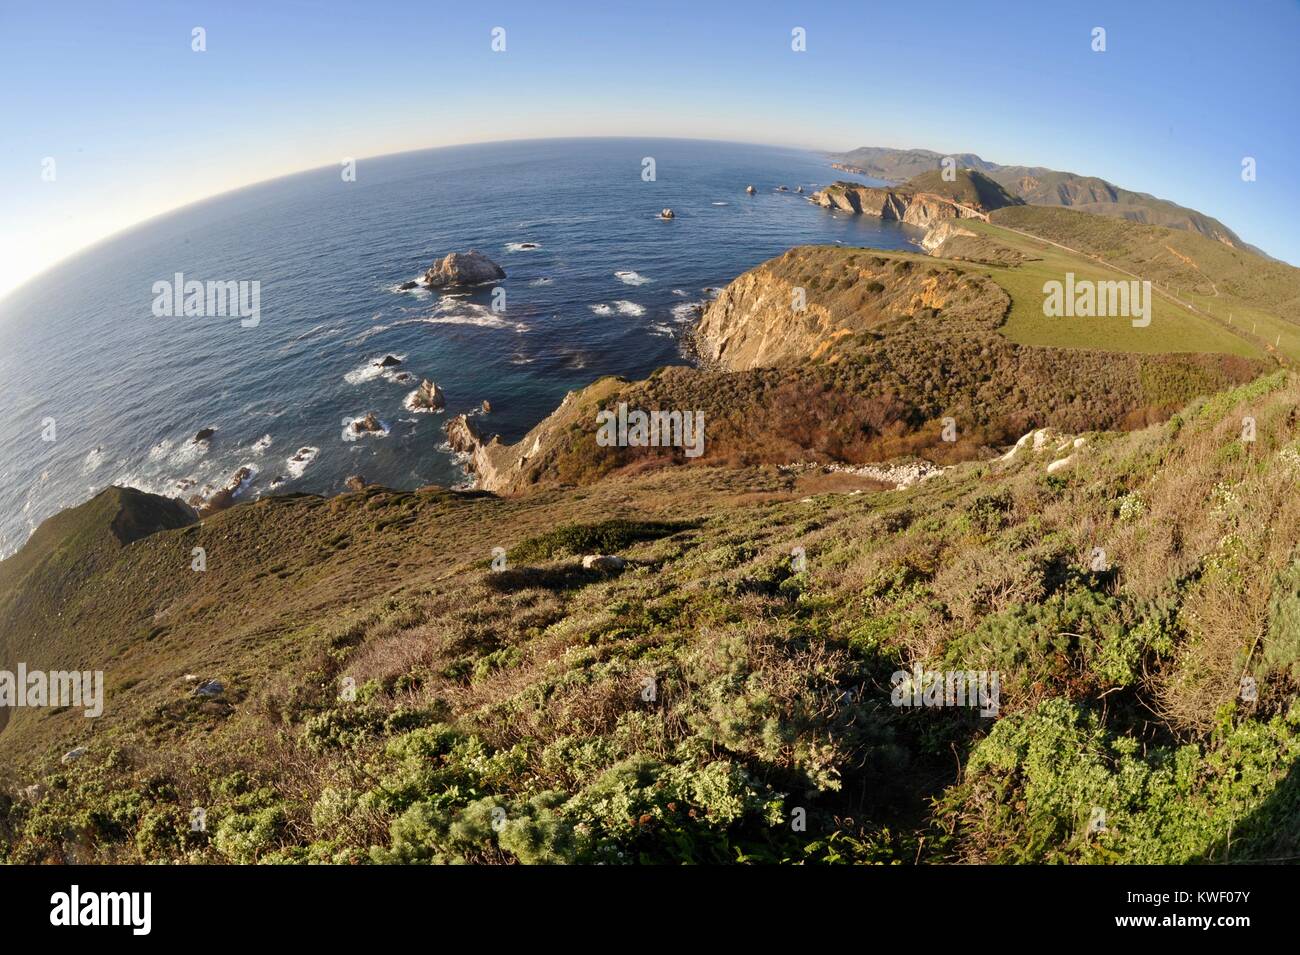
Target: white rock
[
  {"x": 606, "y": 562},
  {"x": 73, "y": 755},
  {"x": 1060, "y": 465}
]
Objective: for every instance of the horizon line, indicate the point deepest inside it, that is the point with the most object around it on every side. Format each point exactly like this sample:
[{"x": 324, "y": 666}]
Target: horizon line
[
  {"x": 213, "y": 196},
  {"x": 304, "y": 170}
]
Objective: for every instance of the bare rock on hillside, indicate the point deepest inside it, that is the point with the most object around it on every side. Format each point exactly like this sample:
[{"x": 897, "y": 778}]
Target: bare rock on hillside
[{"x": 609, "y": 563}]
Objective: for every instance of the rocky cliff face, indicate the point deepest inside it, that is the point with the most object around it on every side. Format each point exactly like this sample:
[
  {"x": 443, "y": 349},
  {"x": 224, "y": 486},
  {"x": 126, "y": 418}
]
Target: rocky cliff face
[
  {"x": 948, "y": 240},
  {"x": 509, "y": 468},
  {"x": 941, "y": 233},
  {"x": 804, "y": 306},
  {"x": 754, "y": 323},
  {"x": 914, "y": 208}
]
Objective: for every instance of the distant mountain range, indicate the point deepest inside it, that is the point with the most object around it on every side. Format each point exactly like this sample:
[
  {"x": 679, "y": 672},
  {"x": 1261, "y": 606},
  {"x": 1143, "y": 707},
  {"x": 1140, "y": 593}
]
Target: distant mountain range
[{"x": 1039, "y": 186}]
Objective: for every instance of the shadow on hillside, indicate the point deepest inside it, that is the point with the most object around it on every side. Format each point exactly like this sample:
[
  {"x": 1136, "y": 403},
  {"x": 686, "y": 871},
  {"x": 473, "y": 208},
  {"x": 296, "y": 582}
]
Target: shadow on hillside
[
  {"x": 557, "y": 577},
  {"x": 1269, "y": 834}
]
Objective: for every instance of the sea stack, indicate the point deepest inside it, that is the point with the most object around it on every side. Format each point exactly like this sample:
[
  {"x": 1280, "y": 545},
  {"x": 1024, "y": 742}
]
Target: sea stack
[
  {"x": 428, "y": 396},
  {"x": 463, "y": 268}
]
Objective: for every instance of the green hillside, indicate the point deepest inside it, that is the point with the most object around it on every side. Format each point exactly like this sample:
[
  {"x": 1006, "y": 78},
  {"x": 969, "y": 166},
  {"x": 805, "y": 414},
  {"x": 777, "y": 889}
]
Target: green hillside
[
  {"x": 967, "y": 186},
  {"x": 1255, "y": 298},
  {"x": 1039, "y": 186}
]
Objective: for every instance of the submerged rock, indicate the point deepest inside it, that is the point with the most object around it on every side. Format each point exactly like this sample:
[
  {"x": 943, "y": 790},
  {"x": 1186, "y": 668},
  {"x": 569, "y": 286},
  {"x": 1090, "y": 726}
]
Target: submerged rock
[
  {"x": 388, "y": 361},
  {"x": 463, "y": 268},
  {"x": 407, "y": 286},
  {"x": 666, "y": 214},
  {"x": 204, "y": 434}
]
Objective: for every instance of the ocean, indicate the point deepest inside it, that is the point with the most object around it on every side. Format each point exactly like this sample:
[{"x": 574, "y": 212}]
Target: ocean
[{"x": 100, "y": 390}]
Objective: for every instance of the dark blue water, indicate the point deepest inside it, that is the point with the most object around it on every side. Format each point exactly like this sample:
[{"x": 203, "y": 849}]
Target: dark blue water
[{"x": 607, "y": 291}]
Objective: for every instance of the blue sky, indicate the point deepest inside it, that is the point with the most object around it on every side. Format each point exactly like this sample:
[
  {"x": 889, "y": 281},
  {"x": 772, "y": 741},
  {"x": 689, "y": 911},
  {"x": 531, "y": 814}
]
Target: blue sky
[{"x": 138, "y": 123}]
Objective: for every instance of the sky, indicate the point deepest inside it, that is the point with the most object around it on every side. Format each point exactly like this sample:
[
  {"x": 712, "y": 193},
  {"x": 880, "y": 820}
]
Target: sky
[{"x": 136, "y": 122}]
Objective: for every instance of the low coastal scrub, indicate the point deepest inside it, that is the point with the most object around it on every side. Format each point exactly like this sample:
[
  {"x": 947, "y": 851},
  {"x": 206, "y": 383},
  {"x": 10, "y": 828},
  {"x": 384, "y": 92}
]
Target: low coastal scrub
[{"x": 725, "y": 696}]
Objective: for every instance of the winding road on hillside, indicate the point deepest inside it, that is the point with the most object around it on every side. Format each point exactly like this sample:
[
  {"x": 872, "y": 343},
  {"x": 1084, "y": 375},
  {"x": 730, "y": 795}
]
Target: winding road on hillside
[{"x": 1253, "y": 339}]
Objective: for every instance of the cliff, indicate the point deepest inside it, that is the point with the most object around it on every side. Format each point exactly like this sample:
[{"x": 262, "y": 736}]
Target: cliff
[
  {"x": 509, "y": 468},
  {"x": 902, "y": 205},
  {"x": 948, "y": 240}
]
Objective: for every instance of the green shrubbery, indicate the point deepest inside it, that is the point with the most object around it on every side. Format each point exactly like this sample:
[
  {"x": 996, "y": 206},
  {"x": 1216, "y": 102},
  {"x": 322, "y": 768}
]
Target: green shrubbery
[{"x": 1042, "y": 777}]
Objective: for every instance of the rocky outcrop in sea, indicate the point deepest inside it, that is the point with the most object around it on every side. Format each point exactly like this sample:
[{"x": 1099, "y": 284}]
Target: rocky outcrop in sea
[{"x": 463, "y": 268}]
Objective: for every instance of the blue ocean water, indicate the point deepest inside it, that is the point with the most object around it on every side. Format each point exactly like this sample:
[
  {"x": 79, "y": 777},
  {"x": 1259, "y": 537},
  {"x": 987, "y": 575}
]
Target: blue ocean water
[{"x": 607, "y": 289}]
